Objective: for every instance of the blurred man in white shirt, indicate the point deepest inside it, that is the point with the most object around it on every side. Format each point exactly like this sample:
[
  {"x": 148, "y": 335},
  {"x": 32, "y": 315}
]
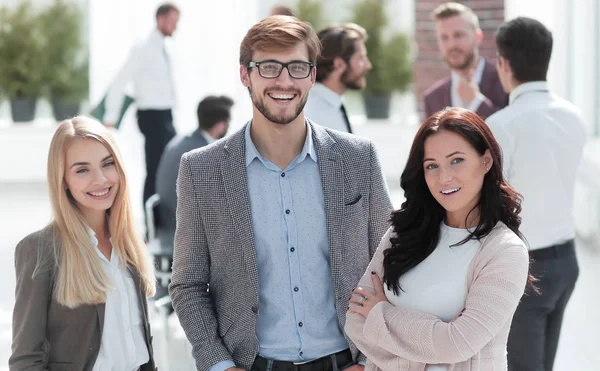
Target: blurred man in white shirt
[
  {"x": 343, "y": 64},
  {"x": 148, "y": 68},
  {"x": 542, "y": 138}
]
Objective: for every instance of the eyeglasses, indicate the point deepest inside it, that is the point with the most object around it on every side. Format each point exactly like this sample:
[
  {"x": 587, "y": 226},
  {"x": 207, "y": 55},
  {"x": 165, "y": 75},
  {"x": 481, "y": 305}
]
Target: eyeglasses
[{"x": 272, "y": 69}]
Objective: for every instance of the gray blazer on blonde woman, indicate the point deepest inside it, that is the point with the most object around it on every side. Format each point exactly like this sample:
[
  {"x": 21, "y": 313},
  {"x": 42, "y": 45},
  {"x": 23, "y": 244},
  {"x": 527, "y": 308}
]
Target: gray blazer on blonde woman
[
  {"x": 47, "y": 335},
  {"x": 214, "y": 241}
]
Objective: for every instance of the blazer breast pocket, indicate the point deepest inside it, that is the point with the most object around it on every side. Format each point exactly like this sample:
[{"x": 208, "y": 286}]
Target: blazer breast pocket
[{"x": 354, "y": 201}]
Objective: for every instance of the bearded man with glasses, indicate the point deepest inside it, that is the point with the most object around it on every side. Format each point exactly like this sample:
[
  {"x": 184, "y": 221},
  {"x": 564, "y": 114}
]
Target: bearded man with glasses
[{"x": 279, "y": 220}]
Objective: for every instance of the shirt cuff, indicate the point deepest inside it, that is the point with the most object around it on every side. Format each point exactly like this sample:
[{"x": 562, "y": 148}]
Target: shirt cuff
[
  {"x": 222, "y": 366},
  {"x": 479, "y": 98},
  {"x": 362, "y": 363}
]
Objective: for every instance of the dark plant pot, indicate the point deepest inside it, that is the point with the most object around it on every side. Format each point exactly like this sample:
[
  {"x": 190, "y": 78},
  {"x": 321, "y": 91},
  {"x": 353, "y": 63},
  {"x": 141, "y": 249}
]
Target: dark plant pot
[
  {"x": 64, "y": 110},
  {"x": 23, "y": 109},
  {"x": 377, "y": 106}
]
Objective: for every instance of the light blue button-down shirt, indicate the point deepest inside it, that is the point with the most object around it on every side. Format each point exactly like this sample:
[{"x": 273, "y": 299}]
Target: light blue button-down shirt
[{"x": 297, "y": 319}]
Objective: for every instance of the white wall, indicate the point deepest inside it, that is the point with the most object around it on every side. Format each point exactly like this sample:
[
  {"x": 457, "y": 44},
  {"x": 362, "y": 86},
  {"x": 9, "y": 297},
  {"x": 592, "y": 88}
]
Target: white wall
[{"x": 204, "y": 49}]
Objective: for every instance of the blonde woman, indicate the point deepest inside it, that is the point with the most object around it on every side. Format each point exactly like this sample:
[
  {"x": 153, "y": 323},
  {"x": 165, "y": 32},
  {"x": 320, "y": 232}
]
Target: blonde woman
[{"x": 82, "y": 281}]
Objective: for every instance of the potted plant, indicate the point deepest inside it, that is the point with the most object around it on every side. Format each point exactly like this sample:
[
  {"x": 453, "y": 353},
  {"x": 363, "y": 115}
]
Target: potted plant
[
  {"x": 66, "y": 70},
  {"x": 390, "y": 57},
  {"x": 21, "y": 59}
]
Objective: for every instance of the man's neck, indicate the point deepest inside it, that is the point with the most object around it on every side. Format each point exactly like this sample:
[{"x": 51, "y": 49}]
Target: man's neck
[
  {"x": 278, "y": 143},
  {"x": 160, "y": 33},
  {"x": 335, "y": 84},
  {"x": 471, "y": 68}
]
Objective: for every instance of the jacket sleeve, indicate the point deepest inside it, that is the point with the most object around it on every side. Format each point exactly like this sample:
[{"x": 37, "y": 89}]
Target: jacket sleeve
[
  {"x": 491, "y": 302},
  {"x": 32, "y": 295},
  {"x": 191, "y": 273},
  {"x": 380, "y": 209},
  {"x": 380, "y": 206},
  {"x": 382, "y": 358}
]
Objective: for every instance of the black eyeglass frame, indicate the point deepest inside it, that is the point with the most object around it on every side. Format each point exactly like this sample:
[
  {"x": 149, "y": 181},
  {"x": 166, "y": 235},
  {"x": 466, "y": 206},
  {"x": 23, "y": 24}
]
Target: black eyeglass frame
[{"x": 252, "y": 64}]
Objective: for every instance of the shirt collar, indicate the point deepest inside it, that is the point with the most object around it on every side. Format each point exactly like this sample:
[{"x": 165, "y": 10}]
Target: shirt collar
[
  {"x": 477, "y": 75},
  {"x": 308, "y": 150},
  {"x": 114, "y": 258},
  {"x": 327, "y": 94},
  {"x": 157, "y": 35},
  {"x": 527, "y": 87},
  {"x": 207, "y": 136}
]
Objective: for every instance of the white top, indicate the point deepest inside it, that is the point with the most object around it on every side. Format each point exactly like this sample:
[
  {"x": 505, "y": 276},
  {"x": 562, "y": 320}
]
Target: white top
[
  {"x": 542, "y": 138},
  {"x": 438, "y": 285},
  {"x": 148, "y": 68},
  {"x": 324, "y": 108},
  {"x": 455, "y": 79},
  {"x": 123, "y": 345}
]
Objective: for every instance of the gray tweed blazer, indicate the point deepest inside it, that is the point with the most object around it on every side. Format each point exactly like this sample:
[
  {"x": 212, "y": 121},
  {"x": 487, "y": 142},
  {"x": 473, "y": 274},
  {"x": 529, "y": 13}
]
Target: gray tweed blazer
[{"x": 214, "y": 242}]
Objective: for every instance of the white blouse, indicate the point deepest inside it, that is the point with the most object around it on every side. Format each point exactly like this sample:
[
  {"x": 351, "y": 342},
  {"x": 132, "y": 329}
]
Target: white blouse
[
  {"x": 123, "y": 345},
  {"x": 438, "y": 285}
]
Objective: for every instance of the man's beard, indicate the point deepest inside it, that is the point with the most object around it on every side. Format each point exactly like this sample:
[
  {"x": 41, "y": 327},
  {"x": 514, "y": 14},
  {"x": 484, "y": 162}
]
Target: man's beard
[
  {"x": 351, "y": 81},
  {"x": 466, "y": 64},
  {"x": 276, "y": 119}
]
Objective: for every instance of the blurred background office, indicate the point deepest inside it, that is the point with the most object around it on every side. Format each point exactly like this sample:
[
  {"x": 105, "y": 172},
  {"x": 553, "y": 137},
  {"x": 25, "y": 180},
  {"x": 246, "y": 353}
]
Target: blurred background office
[{"x": 67, "y": 53}]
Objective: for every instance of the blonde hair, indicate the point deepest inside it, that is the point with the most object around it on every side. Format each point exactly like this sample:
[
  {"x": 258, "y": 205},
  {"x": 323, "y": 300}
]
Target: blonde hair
[
  {"x": 449, "y": 10},
  {"x": 80, "y": 277},
  {"x": 279, "y": 32}
]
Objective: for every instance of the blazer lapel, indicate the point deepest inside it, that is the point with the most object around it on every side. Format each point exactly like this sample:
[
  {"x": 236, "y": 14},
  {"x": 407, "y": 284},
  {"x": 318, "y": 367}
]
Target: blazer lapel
[
  {"x": 100, "y": 308},
  {"x": 486, "y": 78},
  {"x": 235, "y": 181},
  {"x": 332, "y": 180},
  {"x": 446, "y": 96}
]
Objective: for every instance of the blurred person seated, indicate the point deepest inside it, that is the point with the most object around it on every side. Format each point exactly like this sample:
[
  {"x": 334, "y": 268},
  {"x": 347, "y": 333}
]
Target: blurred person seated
[{"x": 214, "y": 114}]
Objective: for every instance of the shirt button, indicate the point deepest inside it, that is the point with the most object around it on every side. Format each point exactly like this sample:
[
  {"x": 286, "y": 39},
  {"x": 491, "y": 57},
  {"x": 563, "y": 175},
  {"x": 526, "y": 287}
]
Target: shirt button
[
  {"x": 287, "y": 211},
  {"x": 300, "y": 324},
  {"x": 296, "y": 289},
  {"x": 301, "y": 353},
  {"x": 292, "y": 249},
  {"x": 255, "y": 309},
  {"x": 283, "y": 175}
]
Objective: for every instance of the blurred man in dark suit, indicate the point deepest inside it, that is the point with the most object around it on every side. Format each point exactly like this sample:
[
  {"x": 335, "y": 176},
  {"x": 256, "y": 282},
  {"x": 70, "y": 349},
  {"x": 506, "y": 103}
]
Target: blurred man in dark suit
[{"x": 473, "y": 83}]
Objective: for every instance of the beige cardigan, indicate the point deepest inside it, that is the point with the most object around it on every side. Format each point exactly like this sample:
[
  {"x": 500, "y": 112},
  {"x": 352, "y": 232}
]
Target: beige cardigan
[{"x": 399, "y": 339}]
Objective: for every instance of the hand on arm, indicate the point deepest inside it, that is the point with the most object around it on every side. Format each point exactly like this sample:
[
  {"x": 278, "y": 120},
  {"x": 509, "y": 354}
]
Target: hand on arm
[
  {"x": 467, "y": 88},
  {"x": 364, "y": 299}
]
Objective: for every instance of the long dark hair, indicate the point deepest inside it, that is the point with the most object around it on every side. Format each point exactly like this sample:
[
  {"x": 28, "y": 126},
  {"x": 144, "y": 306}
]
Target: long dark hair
[{"x": 417, "y": 223}]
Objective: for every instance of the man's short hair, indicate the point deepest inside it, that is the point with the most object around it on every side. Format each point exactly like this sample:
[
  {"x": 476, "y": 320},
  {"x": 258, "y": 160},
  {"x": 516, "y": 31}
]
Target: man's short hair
[
  {"x": 451, "y": 9},
  {"x": 527, "y": 45},
  {"x": 338, "y": 41},
  {"x": 212, "y": 110},
  {"x": 166, "y": 8},
  {"x": 282, "y": 10},
  {"x": 279, "y": 32}
]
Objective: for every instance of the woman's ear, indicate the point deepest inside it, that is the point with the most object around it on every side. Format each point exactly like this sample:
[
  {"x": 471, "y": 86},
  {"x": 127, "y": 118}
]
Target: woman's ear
[{"x": 487, "y": 160}]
